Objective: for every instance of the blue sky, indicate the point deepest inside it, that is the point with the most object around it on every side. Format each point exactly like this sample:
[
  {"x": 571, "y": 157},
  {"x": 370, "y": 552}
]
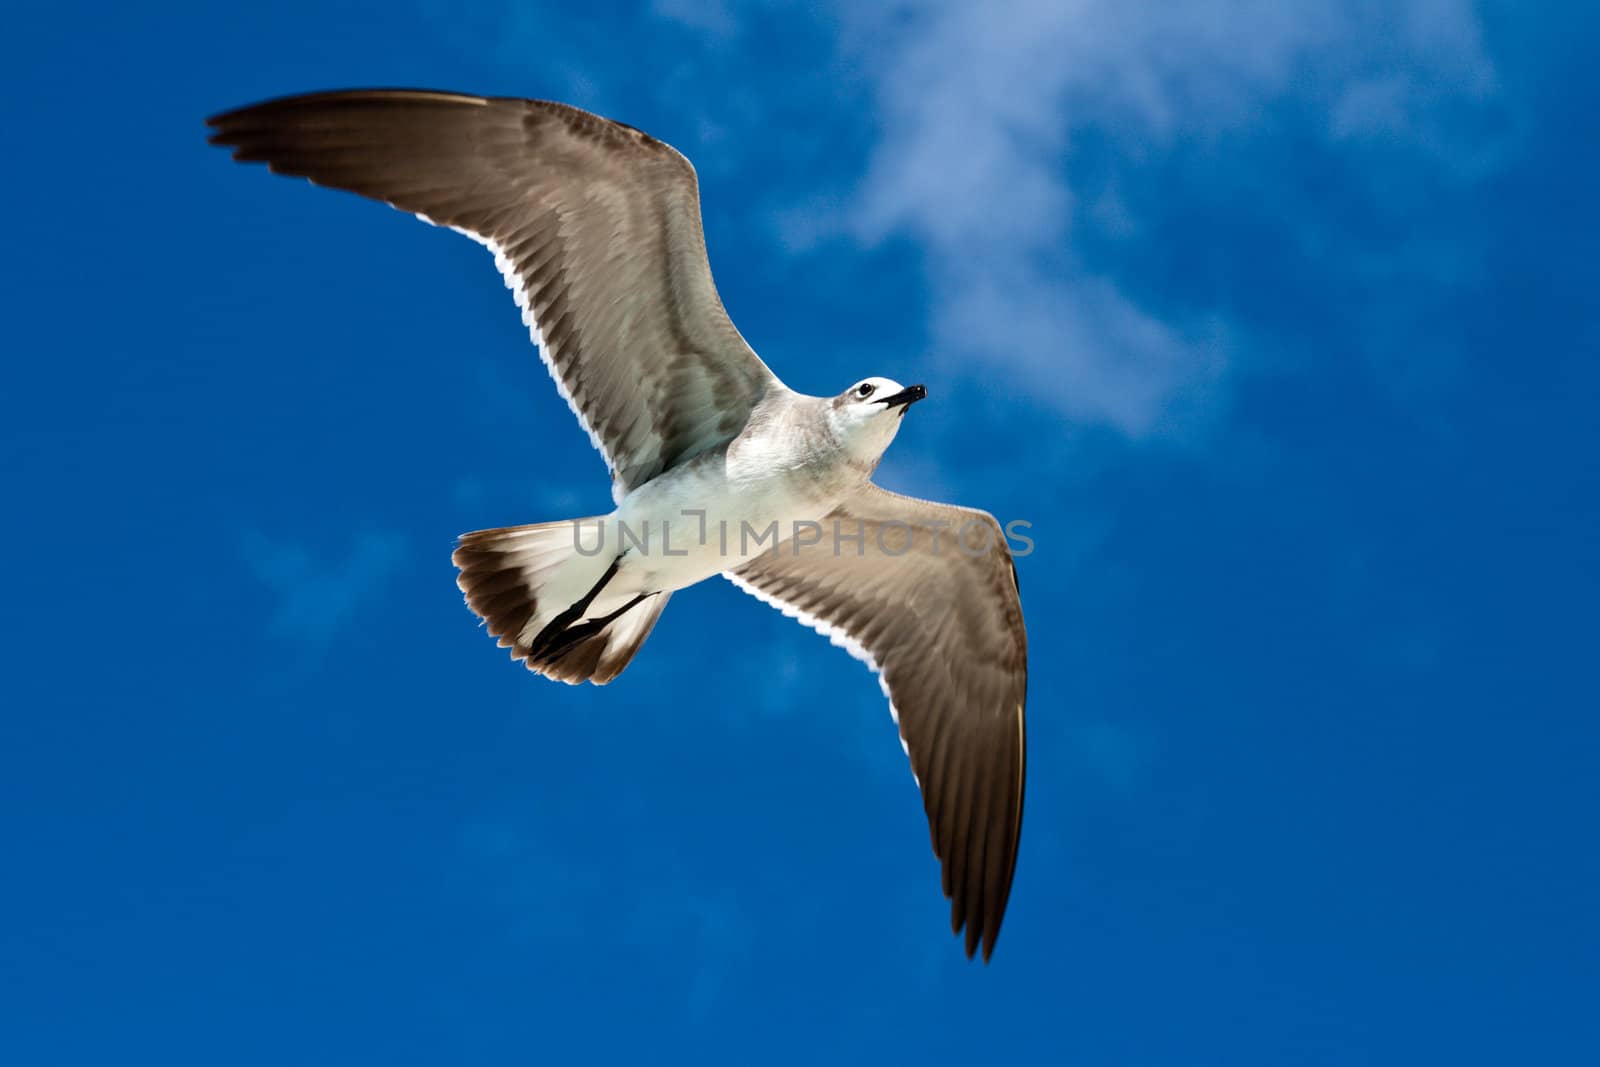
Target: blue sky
[{"x": 1276, "y": 321}]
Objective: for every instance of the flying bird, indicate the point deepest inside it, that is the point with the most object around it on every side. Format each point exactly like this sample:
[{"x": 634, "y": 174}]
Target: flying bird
[{"x": 716, "y": 465}]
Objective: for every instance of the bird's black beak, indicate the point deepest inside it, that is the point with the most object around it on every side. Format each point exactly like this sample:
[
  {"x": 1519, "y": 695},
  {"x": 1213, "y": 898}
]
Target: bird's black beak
[{"x": 904, "y": 398}]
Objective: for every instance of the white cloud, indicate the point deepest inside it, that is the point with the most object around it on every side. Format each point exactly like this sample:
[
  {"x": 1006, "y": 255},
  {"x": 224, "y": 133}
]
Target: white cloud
[
  {"x": 982, "y": 110},
  {"x": 978, "y": 108}
]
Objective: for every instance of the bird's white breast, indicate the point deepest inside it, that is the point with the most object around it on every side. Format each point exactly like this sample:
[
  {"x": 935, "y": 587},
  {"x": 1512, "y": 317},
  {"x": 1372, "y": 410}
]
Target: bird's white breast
[{"x": 714, "y": 513}]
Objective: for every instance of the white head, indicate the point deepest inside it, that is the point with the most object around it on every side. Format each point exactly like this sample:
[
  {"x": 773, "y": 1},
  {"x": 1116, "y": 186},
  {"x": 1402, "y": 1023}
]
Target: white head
[{"x": 866, "y": 416}]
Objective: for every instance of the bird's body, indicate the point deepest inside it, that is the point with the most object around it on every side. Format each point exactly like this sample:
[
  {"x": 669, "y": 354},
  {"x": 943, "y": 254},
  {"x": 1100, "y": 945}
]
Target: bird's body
[
  {"x": 717, "y": 508},
  {"x": 717, "y": 466},
  {"x": 790, "y": 465}
]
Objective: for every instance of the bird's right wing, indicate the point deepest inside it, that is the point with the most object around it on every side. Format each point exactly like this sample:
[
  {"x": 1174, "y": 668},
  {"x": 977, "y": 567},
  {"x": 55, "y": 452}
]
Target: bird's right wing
[
  {"x": 595, "y": 226},
  {"x": 928, "y": 597}
]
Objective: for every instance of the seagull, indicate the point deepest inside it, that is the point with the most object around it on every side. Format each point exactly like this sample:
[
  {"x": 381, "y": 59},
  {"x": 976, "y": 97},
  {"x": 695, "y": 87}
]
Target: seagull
[{"x": 717, "y": 467}]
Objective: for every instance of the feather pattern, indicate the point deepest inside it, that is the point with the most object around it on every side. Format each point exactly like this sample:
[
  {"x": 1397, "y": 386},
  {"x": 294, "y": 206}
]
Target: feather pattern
[
  {"x": 942, "y": 626},
  {"x": 594, "y": 225}
]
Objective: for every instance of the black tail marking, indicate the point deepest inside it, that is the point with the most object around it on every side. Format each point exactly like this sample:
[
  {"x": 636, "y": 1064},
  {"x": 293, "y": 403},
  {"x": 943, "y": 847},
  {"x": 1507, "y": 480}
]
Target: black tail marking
[{"x": 557, "y": 628}]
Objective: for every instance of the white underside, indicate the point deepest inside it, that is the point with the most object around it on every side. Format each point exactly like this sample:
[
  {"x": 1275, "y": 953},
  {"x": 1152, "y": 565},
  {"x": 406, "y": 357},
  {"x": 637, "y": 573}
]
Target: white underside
[
  {"x": 691, "y": 523},
  {"x": 670, "y": 509}
]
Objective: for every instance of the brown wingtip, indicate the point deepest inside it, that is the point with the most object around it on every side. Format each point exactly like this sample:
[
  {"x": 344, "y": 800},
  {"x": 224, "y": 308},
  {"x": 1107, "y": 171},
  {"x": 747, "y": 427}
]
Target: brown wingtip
[
  {"x": 294, "y": 101},
  {"x": 980, "y": 941}
]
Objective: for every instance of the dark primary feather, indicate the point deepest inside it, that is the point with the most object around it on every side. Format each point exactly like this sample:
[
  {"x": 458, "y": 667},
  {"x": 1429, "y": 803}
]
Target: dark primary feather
[
  {"x": 945, "y": 629},
  {"x": 599, "y": 225}
]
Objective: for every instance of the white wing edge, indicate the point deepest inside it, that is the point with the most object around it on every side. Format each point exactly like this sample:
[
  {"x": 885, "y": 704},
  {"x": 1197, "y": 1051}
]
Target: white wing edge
[
  {"x": 519, "y": 290},
  {"x": 838, "y": 637}
]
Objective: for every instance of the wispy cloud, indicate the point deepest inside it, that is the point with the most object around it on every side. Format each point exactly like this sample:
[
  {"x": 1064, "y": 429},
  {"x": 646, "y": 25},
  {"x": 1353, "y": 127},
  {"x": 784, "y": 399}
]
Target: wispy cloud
[
  {"x": 316, "y": 598},
  {"x": 979, "y": 108},
  {"x": 1026, "y": 150},
  {"x": 708, "y": 16}
]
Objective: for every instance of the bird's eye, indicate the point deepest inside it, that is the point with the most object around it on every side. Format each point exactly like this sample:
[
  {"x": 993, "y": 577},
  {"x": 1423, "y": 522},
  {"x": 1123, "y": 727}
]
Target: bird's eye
[{"x": 864, "y": 390}]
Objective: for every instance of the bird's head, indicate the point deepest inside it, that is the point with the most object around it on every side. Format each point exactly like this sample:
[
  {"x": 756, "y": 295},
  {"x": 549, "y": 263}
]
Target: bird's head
[{"x": 867, "y": 415}]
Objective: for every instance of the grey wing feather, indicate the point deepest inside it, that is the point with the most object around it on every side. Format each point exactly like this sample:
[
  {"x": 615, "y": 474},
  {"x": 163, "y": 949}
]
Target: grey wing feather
[
  {"x": 595, "y": 225},
  {"x": 942, "y": 624}
]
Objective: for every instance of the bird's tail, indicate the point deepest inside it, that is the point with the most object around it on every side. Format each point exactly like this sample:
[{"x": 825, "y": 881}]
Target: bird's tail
[{"x": 528, "y": 585}]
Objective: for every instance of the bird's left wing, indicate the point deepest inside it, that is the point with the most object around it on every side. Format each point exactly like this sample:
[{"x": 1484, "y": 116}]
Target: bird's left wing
[
  {"x": 595, "y": 226},
  {"x": 927, "y": 594}
]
